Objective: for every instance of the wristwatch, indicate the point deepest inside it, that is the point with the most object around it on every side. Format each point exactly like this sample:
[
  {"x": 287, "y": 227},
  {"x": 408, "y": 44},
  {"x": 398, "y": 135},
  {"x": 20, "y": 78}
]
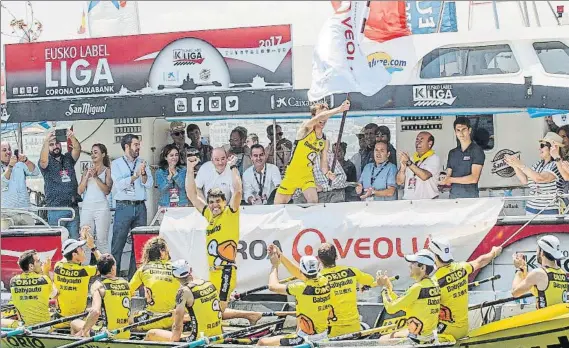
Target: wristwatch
[
  {"x": 93, "y": 249},
  {"x": 233, "y": 166},
  {"x": 557, "y": 159},
  {"x": 409, "y": 162}
]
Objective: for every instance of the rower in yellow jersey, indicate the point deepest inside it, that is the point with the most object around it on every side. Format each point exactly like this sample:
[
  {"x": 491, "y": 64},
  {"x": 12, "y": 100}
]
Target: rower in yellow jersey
[
  {"x": 313, "y": 303},
  {"x": 30, "y": 291},
  {"x": 160, "y": 286},
  {"x": 548, "y": 283},
  {"x": 452, "y": 278},
  {"x": 110, "y": 295},
  {"x": 71, "y": 277},
  {"x": 310, "y": 145},
  {"x": 421, "y": 302},
  {"x": 343, "y": 282},
  {"x": 199, "y": 299},
  {"x": 222, "y": 235}
]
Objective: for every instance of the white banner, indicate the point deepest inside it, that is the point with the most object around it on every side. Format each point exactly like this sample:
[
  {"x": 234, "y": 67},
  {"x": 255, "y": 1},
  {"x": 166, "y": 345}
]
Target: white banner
[
  {"x": 112, "y": 18},
  {"x": 370, "y": 236}
]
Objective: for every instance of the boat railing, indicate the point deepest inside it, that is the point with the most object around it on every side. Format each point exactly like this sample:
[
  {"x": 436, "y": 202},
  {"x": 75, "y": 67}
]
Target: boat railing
[{"x": 33, "y": 215}]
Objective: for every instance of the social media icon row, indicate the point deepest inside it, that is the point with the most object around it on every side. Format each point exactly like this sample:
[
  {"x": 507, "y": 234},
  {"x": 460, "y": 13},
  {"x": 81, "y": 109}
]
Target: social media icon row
[
  {"x": 214, "y": 104},
  {"x": 25, "y": 90}
]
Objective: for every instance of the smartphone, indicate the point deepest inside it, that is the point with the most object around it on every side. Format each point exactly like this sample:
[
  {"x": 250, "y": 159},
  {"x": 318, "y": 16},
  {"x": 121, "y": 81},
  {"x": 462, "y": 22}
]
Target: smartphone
[
  {"x": 61, "y": 135},
  {"x": 17, "y": 153}
]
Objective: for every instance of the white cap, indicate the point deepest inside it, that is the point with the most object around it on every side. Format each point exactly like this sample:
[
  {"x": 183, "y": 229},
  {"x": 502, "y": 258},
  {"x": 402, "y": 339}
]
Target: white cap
[
  {"x": 71, "y": 244},
  {"x": 309, "y": 265},
  {"x": 180, "y": 268},
  {"x": 550, "y": 244},
  {"x": 423, "y": 256},
  {"x": 441, "y": 248}
]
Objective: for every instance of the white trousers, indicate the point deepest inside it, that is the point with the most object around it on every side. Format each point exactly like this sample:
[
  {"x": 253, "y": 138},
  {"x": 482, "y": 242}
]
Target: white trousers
[{"x": 98, "y": 217}]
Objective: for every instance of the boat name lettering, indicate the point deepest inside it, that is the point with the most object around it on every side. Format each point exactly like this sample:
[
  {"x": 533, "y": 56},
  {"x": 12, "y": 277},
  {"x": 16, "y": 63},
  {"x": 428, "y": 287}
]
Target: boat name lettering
[{"x": 25, "y": 341}]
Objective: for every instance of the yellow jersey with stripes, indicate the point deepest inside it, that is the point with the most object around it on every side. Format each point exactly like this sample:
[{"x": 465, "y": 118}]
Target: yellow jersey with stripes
[
  {"x": 72, "y": 283},
  {"x": 30, "y": 295},
  {"x": 116, "y": 305},
  {"x": 159, "y": 283},
  {"x": 313, "y": 304},
  {"x": 557, "y": 290}
]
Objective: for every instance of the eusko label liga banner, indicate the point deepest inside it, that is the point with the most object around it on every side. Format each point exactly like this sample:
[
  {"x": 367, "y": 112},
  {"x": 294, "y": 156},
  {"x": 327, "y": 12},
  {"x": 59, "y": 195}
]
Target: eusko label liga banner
[
  {"x": 206, "y": 60},
  {"x": 370, "y": 236}
]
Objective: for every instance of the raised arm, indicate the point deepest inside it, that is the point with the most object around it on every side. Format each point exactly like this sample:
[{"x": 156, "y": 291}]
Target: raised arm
[
  {"x": 485, "y": 259},
  {"x": 191, "y": 188},
  {"x": 76, "y": 152},
  {"x": 325, "y": 115},
  {"x": 274, "y": 284},
  {"x": 44, "y": 154},
  {"x": 237, "y": 184},
  {"x": 290, "y": 265}
]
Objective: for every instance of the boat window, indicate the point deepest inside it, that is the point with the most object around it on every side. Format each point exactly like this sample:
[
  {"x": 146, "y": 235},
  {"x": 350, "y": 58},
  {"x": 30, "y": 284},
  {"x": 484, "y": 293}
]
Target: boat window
[
  {"x": 554, "y": 56},
  {"x": 469, "y": 61},
  {"x": 482, "y": 131}
]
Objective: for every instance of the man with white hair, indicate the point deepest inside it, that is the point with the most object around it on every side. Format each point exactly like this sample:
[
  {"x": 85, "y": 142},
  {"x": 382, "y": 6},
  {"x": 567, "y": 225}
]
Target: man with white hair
[
  {"x": 549, "y": 283},
  {"x": 215, "y": 174},
  {"x": 15, "y": 169},
  {"x": 452, "y": 278}
]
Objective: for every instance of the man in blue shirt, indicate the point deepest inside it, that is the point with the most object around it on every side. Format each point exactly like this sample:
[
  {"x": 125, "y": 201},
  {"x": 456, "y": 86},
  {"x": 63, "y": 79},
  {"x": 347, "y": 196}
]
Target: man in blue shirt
[
  {"x": 131, "y": 177},
  {"x": 15, "y": 169},
  {"x": 377, "y": 182},
  {"x": 60, "y": 180}
]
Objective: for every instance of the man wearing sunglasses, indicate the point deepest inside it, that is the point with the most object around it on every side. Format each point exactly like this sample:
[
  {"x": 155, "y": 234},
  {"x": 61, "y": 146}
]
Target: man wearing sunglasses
[{"x": 178, "y": 134}]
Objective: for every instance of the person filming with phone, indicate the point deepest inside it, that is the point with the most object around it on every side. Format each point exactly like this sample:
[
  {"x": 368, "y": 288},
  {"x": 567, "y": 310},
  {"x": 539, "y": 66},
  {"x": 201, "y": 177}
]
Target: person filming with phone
[
  {"x": 60, "y": 181},
  {"x": 15, "y": 168}
]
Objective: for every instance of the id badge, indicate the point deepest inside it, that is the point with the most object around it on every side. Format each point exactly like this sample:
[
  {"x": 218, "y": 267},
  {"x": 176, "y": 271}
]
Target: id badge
[
  {"x": 412, "y": 183},
  {"x": 64, "y": 176},
  {"x": 174, "y": 197},
  {"x": 129, "y": 190}
]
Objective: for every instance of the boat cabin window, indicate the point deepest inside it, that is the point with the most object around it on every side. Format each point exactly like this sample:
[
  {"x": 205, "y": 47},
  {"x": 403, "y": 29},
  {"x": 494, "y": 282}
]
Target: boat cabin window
[
  {"x": 482, "y": 131},
  {"x": 469, "y": 61},
  {"x": 554, "y": 56}
]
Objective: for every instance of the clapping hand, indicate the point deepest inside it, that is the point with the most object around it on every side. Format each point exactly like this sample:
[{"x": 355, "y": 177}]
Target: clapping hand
[
  {"x": 232, "y": 160},
  {"x": 519, "y": 261},
  {"x": 142, "y": 168}
]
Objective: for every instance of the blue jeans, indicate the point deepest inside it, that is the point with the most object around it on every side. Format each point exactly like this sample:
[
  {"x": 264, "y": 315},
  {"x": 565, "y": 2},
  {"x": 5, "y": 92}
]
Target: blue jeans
[
  {"x": 127, "y": 217},
  {"x": 72, "y": 226}
]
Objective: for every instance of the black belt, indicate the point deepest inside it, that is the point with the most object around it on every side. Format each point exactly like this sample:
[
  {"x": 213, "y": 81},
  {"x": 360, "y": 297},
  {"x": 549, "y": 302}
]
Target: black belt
[{"x": 131, "y": 202}]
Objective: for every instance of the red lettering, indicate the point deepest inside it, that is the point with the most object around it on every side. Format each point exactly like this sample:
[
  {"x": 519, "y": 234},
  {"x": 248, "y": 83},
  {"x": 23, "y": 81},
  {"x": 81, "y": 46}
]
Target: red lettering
[
  {"x": 350, "y": 47},
  {"x": 389, "y": 248},
  {"x": 350, "y": 58},
  {"x": 349, "y": 34},
  {"x": 358, "y": 248},
  {"x": 346, "y": 22},
  {"x": 343, "y": 251}
]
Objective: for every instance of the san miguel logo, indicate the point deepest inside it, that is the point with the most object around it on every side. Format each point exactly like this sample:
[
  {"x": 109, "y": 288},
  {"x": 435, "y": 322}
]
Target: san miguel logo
[
  {"x": 433, "y": 95},
  {"x": 499, "y": 165},
  {"x": 190, "y": 56}
]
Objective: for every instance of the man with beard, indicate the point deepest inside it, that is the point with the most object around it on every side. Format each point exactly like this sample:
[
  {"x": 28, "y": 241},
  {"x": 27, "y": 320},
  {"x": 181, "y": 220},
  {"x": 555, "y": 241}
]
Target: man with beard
[
  {"x": 204, "y": 150},
  {"x": 237, "y": 147},
  {"x": 284, "y": 148},
  {"x": 60, "y": 181},
  {"x": 370, "y": 138},
  {"x": 131, "y": 178}
]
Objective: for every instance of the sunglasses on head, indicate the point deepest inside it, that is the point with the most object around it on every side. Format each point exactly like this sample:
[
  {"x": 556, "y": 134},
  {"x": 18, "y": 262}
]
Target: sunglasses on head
[
  {"x": 179, "y": 133},
  {"x": 542, "y": 145}
]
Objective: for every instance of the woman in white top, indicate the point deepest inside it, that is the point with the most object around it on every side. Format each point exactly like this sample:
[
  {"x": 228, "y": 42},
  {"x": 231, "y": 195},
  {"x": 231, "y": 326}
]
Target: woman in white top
[{"x": 96, "y": 183}]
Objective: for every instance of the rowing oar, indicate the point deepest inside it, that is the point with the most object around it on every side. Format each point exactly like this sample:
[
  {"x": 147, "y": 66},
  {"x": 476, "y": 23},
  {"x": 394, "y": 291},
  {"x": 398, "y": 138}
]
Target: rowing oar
[
  {"x": 358, "y": 334},
  {"x": 207, "y": 340},
  {"x": 277, "y": 314},
  {"x": 260, "y": 288},
  {"x": 504, "y": 300},
  {"x": 20, "y": 331},
  {"x": 480, "y": 282},
  {"x": 106, "y": 334}
]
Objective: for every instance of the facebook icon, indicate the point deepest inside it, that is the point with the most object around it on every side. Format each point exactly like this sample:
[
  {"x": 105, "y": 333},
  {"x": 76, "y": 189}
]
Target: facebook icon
[{"x": 198, "y": 104}]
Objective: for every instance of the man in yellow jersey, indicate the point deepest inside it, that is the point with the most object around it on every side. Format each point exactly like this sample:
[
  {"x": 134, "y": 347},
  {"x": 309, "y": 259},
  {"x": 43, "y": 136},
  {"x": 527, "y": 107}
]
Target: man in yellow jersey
[
  {"x": 549, "y": 283},
  {"x": 222, "y": 235},
  {"x": 421, "y": 302},
  {"x": 313, "y": 303},
  {"x": 30, "y": 291},
  {"x": 160, "y": 286},
  {"x": 310, "y": 145},
  {"x": 71, "y": 277},
  {"x": 109, "y": 294},
  {"x": 452, "y": 278},
  {"x": 343, "y": 282},
  {"x": 199, "y": 298}
]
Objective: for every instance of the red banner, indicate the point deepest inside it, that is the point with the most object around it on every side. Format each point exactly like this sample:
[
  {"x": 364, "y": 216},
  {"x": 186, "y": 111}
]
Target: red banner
[{"x": 223, "y": 59}]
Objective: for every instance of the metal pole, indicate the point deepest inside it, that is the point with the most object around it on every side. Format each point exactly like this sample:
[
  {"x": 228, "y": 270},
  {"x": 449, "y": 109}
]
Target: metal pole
[
  {"x": 20, "y": 138},
  {"x": 495, "y": 10},
  {"x": 275, "y": 142},
  {"x": 554, "y": 13},
  {"x": 526, "y": 13},
  {"x": 536, "y": 14},
  {"x": 522, "y": 13},
  {"x": 440, "y": 21},
  {"x": 470, "y": 5}
]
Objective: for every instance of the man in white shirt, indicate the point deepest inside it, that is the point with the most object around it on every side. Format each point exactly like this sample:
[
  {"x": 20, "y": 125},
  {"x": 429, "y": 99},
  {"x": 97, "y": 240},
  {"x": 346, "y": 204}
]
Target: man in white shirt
[
  {"x": 215, "y": 173},
  {"x": 419, "y": 174},
  {"x": 260, "y": 180}
]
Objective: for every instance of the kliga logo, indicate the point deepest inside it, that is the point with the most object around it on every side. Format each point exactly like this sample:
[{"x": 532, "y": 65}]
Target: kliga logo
[{"x": 433, "y": 95}]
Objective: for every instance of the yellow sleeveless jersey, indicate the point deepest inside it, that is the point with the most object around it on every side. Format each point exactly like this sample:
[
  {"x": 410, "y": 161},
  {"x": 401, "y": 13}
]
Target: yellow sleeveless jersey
[
  {"x": 421, "y": 303},
  {"x": 557, "y": 290},
  {"x": 160, "y": 285},
  {"x": 222, "y": 236},
  {"x": 343, "y": 282},
  {"x": 306, "y": 151},
  {"x": 313, "y": 305},
  {"x": 453, "y": 282},
  {"x": 30, "y": 294},
  {"x": 205, "y": 313},
  {"x": 116, "y": 304},
  {"x": 72, "y": 283}
]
